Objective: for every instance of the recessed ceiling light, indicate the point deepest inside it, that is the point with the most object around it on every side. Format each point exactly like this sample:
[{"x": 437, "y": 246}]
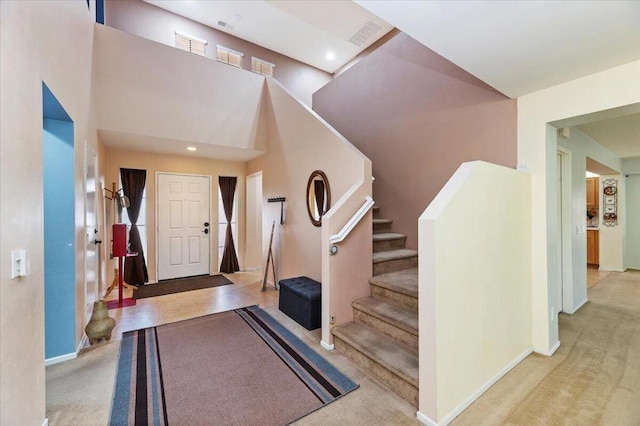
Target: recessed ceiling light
[
  {"x": 192, "y": 148},
  {"x": 330, "y": 56}
]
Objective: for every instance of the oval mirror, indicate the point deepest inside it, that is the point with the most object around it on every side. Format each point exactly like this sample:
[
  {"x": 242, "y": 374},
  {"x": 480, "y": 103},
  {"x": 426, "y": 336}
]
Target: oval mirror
[{"x": 318, "y": 197}]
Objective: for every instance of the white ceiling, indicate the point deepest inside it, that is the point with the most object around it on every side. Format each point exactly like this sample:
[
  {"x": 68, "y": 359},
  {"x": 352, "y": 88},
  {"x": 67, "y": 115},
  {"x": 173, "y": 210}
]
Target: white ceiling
[
  {"x": 519, "y": 47},
  {"x": 303, "y": 30},
  {"x": 620, "y": 135}
]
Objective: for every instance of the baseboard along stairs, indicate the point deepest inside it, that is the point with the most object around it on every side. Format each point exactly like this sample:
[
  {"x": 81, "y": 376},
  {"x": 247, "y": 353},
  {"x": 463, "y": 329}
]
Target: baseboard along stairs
[{"x": 383, "y": 338}]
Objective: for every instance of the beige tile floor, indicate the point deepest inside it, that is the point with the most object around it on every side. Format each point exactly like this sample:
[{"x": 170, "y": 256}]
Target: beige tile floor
[
  {"x": 152, "y": 311},
  {"x": 72, "y": 399}
]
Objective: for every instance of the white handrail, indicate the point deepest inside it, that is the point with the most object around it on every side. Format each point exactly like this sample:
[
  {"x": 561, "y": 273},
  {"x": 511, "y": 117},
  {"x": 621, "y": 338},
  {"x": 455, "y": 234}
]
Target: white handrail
[{"x": 346, "y": 229}]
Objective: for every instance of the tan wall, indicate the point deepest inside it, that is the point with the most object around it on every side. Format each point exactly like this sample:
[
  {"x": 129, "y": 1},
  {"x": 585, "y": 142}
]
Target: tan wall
[
  {"x": 297, "y": 144},
  {"x": 154, "y": 23},
  {"x": 475, "y": 299},
  {"x": 50, "y": 41},
  {"x": 152, "y": 163},
  {"x": 417, "y": 117}
]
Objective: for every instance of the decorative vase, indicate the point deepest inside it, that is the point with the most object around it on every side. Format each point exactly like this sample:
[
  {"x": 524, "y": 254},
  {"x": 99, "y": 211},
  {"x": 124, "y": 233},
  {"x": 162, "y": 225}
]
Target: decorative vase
[{"x": 101, "y": 324}]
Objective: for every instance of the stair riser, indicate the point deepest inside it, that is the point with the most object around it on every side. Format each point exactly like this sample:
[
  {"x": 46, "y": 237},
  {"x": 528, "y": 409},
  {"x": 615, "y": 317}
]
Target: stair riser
[
  {"x": 403, "y": 338},
  {"x": 395, "y": 265},
  {"x": 398, "y": 385},
  {"x": 386, "y": 245},
  {"x": 381, "y": 227},
  {"x": 384, "y": 294},
  {"x": 376, "y": 213}
]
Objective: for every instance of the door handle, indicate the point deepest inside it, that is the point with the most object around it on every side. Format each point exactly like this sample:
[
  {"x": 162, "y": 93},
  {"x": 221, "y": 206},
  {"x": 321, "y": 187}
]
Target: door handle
[
  {"x": 206, "y": 230},
  {"x": 97, "y": 241}
]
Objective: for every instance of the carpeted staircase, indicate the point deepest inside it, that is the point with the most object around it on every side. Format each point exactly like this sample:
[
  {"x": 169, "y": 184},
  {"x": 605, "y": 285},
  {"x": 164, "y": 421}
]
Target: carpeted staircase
[{"x": 383, "y": 338}]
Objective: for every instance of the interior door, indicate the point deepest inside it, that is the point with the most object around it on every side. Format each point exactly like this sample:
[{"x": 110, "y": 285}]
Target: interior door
[
  {"x": 183, "y": 225},
  {"x": 91, "y": 231}
]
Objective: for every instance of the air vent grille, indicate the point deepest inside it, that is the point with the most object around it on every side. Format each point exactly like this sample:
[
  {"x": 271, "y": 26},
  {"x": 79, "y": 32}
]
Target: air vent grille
[
  {"x": 364, "y": 34},
  {"x": 226, "y": 25}
]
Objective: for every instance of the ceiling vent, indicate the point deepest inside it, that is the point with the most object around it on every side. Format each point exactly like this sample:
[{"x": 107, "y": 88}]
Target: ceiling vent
[
  {"x": 226, "y": 25},
  {"x": 364, "y": 34}
]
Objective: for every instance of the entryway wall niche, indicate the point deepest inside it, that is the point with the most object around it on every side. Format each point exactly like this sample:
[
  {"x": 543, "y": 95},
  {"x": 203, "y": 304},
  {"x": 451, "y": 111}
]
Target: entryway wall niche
[
  {"x": 59, "y": 228},
  {"x": 189, "y": 164}
]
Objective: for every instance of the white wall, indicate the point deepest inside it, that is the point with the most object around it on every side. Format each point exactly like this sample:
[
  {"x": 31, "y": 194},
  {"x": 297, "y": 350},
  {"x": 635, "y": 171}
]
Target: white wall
[
  {"x": 474, "y": 286},
  {"x": 175, "y": 97},
  {"x": 582, "y": 146},
  {"x": 52, "y": 42},
  {"x": 631, "y": 169},
  {"x": 608, "y": 89}
]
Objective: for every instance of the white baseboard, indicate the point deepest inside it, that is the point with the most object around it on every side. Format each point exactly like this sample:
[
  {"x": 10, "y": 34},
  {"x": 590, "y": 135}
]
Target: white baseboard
[
  {"x": 326, "y": 345},
  {"x": 46, "y": 422},
  {"x": 607, "y": 269},
  {"x": 59, "y": 359},
  {"x": 82, "y": 344},
  {"x": 425, "y": 420},
  {"x": 67, "y": 357},
  {"x": 467, "y": 402},
  {"x": 580, "y": 305},
  {"x": 549, "y": 352},
  {"x": 252, "y": 269}
]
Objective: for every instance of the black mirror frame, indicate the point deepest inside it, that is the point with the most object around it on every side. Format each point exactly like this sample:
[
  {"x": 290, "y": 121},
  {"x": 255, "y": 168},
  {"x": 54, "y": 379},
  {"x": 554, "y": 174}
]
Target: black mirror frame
[{"x": 318, "y": 173}]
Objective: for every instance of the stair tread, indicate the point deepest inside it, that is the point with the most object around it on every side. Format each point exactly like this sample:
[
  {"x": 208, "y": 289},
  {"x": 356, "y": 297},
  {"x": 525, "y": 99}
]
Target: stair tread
[
  {"x": 391, "y": 313},
  {"x": 384, "y": 256},
  {"x": 380, "y": 348},
  {"x": 380, "y": 221},
  {"x": 385, "y": 236},
  {"x": 404, "y": 281}
]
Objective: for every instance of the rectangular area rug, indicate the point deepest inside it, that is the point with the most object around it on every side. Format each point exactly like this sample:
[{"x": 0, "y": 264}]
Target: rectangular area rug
[
  {"x": 236, "y": 367},
  {"x": 179, "y": 285}
]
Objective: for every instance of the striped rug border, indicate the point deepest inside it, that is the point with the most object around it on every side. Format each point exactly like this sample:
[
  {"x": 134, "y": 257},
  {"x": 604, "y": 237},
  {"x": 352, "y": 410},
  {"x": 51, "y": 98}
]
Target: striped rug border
[
  {"x": 139, "y": 399},
  {"x": 321, "y": 377}
]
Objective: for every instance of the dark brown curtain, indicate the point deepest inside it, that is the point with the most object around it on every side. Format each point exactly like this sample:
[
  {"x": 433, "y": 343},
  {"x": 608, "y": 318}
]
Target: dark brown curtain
[
  {"x": 229, "y": 262},
  {"x": 135, "y": 268},
  {"x": 318, "y": 189}
]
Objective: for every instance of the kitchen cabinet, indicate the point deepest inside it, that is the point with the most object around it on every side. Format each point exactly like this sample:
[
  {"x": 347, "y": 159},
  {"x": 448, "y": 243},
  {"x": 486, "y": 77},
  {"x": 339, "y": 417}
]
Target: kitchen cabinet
[
  {"x": 592, "y": 191},
  {"x": 593, "y": 247}
]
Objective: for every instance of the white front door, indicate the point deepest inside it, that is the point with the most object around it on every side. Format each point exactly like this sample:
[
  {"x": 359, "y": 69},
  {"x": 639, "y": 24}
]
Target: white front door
[
  {"x": 183, "y": 225},
  {"x": 91, "y": 231}
]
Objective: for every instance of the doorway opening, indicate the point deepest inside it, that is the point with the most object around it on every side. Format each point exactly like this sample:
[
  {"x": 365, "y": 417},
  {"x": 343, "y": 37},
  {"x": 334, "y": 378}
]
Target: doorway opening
[{"x": 254, "y": 240}]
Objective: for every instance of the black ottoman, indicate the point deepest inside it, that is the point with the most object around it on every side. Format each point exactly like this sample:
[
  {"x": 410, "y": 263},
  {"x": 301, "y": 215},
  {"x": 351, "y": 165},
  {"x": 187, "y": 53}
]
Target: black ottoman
[{"x": 300, "y": 300}]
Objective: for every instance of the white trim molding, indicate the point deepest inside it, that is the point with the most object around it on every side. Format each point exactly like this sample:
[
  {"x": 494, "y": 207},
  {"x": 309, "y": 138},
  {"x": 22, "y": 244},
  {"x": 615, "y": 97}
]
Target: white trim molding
[
  {"x": 45, "y": 422},
  {"x": 577, "y": 307},
  {"x": 326, "y": 345},
  {"x": 549, "y": 352},
  {"x": 340, "y": 236},
  {"x": 471, "y": 399},
  {"x": 607, "y": 269},
  {"x": 59, "y": 359}
]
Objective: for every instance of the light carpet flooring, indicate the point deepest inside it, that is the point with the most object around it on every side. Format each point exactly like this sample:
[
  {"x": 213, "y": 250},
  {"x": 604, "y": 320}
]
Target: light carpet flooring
[{"x": 593, "y": 379}]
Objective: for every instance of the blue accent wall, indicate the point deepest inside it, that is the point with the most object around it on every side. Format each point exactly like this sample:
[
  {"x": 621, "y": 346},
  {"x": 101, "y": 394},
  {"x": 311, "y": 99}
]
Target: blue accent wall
[{"x": 59, "y": 232}]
